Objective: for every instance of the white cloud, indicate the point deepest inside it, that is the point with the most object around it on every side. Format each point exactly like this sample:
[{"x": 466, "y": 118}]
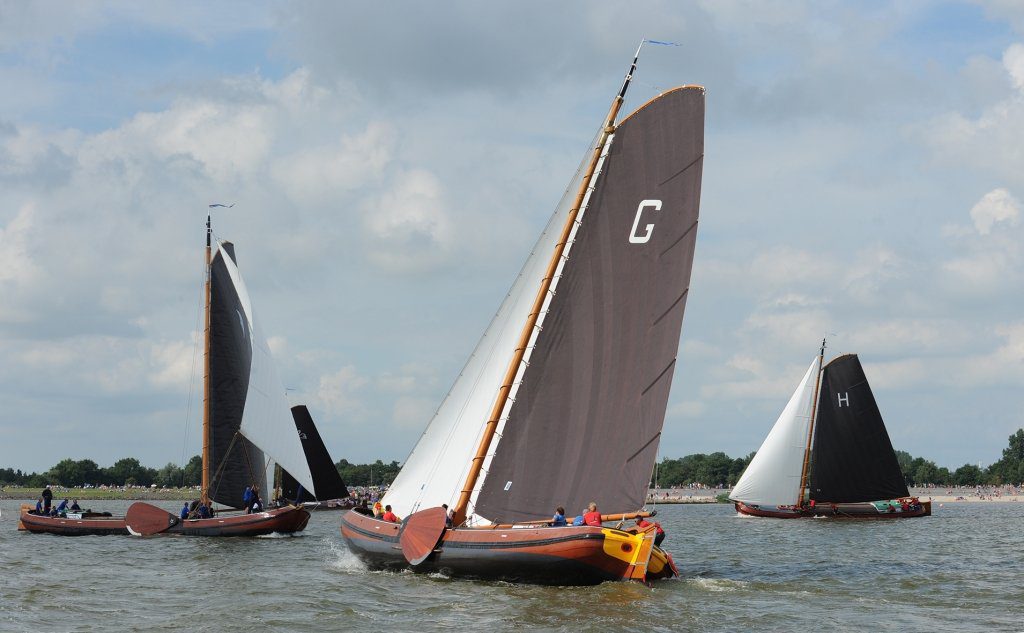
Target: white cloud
[
  {"x": 338, "y": 393},
  {"x": 354, "y": 162},
  {"x": 17, "y": 265},
  {"x": 407, "y": 226},
  {"x": 997, "y": 205}
]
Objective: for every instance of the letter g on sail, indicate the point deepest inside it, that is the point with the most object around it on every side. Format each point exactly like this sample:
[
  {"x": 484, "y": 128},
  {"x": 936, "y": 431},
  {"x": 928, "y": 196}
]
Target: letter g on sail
[{"x": 643, "y": 239}]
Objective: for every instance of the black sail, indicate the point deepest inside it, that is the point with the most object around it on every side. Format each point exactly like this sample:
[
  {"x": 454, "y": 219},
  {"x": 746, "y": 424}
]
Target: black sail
[
  {"x": 326, "y": 479},
  {"x": 852, "y": 458},
  {"x": 235, "y": 462},
  {"x": 587, "y": 418}
]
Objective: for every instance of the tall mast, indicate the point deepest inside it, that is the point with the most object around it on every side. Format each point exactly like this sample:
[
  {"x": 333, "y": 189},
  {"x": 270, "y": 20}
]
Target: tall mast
[
  {"x": 461, "y": 505},
  {"x": 810, "y": 429},
  {"x": 206, "y": 372}
]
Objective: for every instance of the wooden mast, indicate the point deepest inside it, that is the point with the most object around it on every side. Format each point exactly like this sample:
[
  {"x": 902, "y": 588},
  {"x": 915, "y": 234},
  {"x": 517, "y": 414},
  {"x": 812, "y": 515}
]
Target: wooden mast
[
  {"x": 459, "y": 510},
  {"x": 810, "y": 429},
  {"x": 206, "y": 374}
]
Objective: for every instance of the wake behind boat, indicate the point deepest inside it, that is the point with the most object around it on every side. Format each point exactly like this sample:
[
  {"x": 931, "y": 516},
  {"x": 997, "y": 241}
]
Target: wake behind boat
[
  {"x": 563, "y": 400},
  {"x": 828, "y": 454}
]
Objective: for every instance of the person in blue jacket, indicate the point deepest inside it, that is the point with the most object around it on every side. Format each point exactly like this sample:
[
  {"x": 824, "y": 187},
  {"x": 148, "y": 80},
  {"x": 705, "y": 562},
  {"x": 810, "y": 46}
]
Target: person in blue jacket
[
  {"x": 559, "y": 518},
  {"x": 184, "y": 511},
  {"x": 247, "y": 499},
  {"x": 63, "y": 507}
]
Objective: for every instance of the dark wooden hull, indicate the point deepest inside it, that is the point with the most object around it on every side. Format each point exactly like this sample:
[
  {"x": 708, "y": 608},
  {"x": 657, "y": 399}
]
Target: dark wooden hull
[
  {"x": 281, "y": 520},
  {"x": 865, "y": 510},
  {"x": 536, "y": 555},
  {"x": 67, "y": 526}
]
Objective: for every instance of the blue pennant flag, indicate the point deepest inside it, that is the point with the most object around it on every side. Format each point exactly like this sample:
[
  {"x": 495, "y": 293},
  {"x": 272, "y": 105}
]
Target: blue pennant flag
[
  {"x": 662, "y": 43},
  {"x": 226, "y": 206}
]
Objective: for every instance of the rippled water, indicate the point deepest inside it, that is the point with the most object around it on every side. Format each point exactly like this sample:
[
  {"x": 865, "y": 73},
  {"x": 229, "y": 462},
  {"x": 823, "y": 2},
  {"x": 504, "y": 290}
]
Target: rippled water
[{"x": 960, "y": 569}]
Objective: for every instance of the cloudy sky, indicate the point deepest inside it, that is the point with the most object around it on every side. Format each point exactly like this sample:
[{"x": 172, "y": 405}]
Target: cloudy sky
[{"x": 391, "y": 168}]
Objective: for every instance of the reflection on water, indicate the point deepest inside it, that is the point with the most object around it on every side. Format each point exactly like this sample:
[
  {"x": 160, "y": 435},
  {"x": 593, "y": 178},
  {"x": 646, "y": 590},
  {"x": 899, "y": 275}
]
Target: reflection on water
[{"x": 959, "y": 569}]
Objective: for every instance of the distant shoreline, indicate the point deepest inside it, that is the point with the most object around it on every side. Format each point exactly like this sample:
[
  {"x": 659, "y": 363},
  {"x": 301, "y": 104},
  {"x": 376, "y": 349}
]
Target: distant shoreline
[
  {"x": 1006, "y": 494},
  {"x": 674, "y": 496},
  {"x": 29, "y": 495}
]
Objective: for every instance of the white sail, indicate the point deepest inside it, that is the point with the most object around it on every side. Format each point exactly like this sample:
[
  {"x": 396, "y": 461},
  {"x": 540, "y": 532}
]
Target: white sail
[
  {"x": 773, "y": 476},
  {"x": 267, "y": 418},
  {"x": 437, "y": 468}
]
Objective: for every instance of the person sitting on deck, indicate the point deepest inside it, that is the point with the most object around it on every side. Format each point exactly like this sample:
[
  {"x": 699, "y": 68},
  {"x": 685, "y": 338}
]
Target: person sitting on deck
[
  {"x": 184, "y": 511},
  {"x": 390, "y": 516},
  {"x": 204, "y": 512},
  {"x": 378, "y": 511},
  {"x": 63, "y": 507},
  {"x": 641, "y": 522},
  {"x": 75, "y": 507},
  {"x": 559, "y": 519},
  {"x": 39, "y": 506},
  {"x": 257, "y": 504},
  {"x": 592, "y": 516},
  {"x": 448, "y": 514},
  {"x": 579, "y": 518}
]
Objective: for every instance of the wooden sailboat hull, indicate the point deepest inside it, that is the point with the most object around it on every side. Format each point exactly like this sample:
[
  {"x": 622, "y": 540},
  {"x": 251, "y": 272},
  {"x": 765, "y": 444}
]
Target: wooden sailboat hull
[
  {"x": 866, "y": 510},
  {"x": 537, "y": 555},
  {"x": 87, "y": 524},
  {"x": 286, "y": 520}
]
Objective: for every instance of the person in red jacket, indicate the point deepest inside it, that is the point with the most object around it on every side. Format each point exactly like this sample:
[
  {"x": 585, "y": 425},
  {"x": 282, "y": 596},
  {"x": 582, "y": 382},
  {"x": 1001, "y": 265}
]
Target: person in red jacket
[
  {"x": 659, "y": 537},
  {"x": 592, "y": 516},
  {"x": 390, "y": 516}
]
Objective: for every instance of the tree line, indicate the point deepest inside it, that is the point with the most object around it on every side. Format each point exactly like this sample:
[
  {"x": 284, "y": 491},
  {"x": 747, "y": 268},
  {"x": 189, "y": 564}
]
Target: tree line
[
  {"x": 718, "y": 469},
  {"x": 124, "y": 472},
  {"x": 715, "y": 469}
]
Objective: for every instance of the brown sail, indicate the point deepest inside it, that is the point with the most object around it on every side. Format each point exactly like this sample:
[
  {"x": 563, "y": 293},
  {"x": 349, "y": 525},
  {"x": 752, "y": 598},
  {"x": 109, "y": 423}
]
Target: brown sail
[{"x": 587, "y": 418}]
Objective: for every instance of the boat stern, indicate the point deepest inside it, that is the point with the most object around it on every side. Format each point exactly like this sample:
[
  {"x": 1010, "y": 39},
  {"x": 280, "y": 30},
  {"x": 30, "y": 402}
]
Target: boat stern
[{"x": 644, "y": 560}]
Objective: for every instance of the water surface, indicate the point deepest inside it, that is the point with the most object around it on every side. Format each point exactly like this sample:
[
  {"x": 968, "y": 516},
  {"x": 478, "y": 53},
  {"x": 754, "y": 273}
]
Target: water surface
[{"x": 960, "y": 569}]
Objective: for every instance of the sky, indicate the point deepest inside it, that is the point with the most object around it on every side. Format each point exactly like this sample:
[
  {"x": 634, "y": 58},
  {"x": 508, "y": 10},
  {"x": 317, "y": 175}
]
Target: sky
[{"x": 391, "y": 164}]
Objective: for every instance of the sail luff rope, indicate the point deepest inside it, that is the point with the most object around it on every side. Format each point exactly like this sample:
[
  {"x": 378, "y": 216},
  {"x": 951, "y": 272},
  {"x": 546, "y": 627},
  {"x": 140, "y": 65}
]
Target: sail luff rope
[{"x": 528, "y": 329}]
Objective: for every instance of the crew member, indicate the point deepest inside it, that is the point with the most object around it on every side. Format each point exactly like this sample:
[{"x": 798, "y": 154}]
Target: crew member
[
  {"x": 390, "y": 516},
  {"x": 592, "y": 516},
  {"x": 641, "y": 522}
]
